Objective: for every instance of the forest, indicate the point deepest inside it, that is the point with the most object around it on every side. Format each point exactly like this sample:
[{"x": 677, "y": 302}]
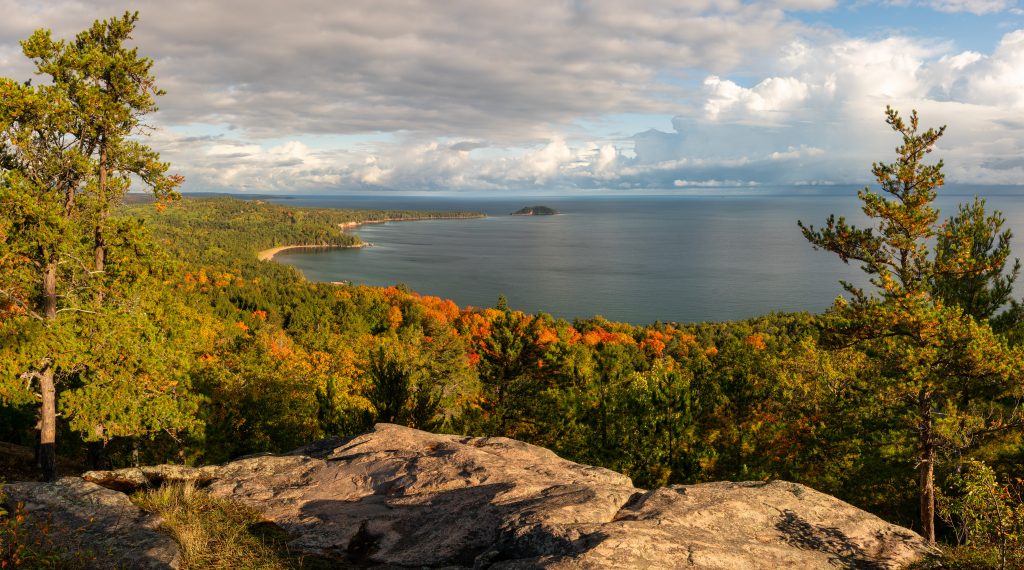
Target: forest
[{"x": 149, "y": 332}]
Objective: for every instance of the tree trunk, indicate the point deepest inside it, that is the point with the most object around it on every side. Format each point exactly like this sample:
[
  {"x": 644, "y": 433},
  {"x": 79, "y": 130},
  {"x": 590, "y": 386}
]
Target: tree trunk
[
  {"x": 69, "y": 202},
  {"x": 47, "y": 453},
  {"x": 100, "y": 260},
  {"x": 48, "y": 424},
  {"x": 50, "y": 291},
  {"x": 100, "y": 243},
  {"x": 926, "y": 468},
  {"x": 926, "y": 473}
]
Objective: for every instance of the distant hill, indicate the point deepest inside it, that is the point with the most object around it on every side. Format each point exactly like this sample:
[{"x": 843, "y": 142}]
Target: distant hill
[{"x": 535, "y": 211}]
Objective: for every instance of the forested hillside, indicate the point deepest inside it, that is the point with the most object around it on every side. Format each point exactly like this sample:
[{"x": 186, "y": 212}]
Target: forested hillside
[
  {"x": 226, "y": 231},
  {"x": 268, "y": 361}
]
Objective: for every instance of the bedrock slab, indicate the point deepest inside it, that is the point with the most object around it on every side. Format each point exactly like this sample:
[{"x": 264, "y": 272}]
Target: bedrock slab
[
  {"x": 93, "y": 526},
  {"x": 399, "y": 497}
]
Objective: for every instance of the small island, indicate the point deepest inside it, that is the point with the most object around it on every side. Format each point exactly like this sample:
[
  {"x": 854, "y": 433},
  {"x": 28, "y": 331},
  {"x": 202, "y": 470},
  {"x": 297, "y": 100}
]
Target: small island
[{"x": 535, "y": 211}]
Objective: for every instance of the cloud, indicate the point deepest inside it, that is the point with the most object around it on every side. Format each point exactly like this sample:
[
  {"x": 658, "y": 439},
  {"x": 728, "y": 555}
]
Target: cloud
[
  {"x": 818, "y": 120},
  {"x": 772, "y": 95},
  {"x": 997, "y": 80},
  {"x": 977, "y": 7},
  {"x": 467, "y": 146},
  {"x": 713, "y": 183},
  {"x": 461, "y": 68},
  {"x": 220, "y": 163},
  {"x": 972, "y": 6},
  {"x": 821, "y": 117},
  {"x": 488, "y": 94}
]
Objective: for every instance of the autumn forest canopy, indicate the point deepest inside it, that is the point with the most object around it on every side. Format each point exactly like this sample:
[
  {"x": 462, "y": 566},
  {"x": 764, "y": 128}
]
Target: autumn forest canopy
[{"x": 150, "y": 332}]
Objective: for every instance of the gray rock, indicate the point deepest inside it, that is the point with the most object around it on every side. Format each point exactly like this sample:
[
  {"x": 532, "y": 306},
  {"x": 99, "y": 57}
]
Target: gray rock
[
  {"x": 134, "y": 478},
  {"x": 99, "y": 526},
  {"x": 402, "y": 497}
]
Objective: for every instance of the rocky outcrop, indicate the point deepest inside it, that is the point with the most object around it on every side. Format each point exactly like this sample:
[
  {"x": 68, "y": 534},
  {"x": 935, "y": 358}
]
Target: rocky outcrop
[
  {"x": 93, "y": 526},
  {"x": 398, "y": 497}
]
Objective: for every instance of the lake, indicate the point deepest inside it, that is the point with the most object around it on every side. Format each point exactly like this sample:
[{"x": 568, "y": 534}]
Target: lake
[{"x": 639, "y": 259}]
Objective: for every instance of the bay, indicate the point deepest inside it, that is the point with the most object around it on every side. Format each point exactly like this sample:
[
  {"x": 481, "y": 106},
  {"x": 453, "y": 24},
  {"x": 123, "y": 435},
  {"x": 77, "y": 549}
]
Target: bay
[{"x": 673, "y": 258}]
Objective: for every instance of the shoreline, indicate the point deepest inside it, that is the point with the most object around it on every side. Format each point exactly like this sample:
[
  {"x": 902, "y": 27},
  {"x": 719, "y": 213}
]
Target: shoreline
[
  {"x": 350, "y": 225},
  {"x": 268, "y": 254}
]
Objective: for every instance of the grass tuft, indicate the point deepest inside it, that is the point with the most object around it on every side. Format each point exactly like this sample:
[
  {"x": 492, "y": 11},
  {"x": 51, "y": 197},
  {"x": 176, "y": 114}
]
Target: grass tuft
[{"x": 215, "y": 533}]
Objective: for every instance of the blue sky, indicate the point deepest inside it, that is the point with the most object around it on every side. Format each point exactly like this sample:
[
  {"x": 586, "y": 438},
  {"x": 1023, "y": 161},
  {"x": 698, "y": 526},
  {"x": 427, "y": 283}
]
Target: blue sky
[
  {"x": 488, "y": 95},
  {"x": 966, "y": 29}
]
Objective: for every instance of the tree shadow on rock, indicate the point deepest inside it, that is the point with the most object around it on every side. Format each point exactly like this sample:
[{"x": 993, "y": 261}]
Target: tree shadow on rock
[
  {"x": 437, "y": 529},
  {"x": 846, "y": 553}
]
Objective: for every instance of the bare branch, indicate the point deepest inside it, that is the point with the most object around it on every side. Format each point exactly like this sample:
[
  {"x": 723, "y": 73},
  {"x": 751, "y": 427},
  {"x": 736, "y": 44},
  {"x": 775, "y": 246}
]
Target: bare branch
[{"x": 76, "y": 310}]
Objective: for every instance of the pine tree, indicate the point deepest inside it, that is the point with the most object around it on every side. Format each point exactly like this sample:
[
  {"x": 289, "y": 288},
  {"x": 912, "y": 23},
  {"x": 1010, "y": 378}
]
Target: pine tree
[
  {"x": 981, "y": 286},
  {"x": 109, "y": 89},
  {"x": 43, "y": 168},
  {"x": 941, "y": 374},
  {"x": 68, "y": 153}
]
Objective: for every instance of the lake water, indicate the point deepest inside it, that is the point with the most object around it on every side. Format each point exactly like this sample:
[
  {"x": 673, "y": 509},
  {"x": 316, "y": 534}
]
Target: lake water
[{"x": 637, "y": 259}]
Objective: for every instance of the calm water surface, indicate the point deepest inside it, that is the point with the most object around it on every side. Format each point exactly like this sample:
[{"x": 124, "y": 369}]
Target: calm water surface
[{"x": 635, "y": 259}]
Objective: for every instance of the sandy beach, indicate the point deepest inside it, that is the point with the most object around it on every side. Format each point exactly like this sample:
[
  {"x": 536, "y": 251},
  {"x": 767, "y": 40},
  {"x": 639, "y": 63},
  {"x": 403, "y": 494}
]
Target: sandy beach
[{"x": 268, "y": 254}]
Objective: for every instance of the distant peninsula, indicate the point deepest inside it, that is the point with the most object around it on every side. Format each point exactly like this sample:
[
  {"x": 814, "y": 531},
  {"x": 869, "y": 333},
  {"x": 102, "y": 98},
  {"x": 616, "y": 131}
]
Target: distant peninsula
[{"x": 535, "y": 211}]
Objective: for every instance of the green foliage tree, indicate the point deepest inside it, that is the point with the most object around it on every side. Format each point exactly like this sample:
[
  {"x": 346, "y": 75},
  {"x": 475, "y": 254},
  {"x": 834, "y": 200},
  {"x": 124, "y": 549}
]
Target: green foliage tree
[
  {"x": 109, "y": 89},
  {"x": 416, "y": 380},
  {"x": 42, "y": 169},
  {"x": 985, "y": 287},
  {"x": 261, "y": 395},
  {"x": 68, "y": 158},
  {"x": 508, "y": 358},
  {"x": 940, "y": 372},
  {"x": 658, "y": 413},
  {"x": 391, "y": 385},
  {"x": 976, "y": 249}
]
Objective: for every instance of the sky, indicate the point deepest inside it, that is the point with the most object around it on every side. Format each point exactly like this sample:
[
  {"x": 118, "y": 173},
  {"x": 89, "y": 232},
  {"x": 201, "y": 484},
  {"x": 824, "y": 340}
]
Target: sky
[{"x": 320, "y": 96}]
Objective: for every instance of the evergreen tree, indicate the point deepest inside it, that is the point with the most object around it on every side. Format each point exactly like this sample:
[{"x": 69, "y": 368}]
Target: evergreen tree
[
  {"x": 68, "y": 158},
  {"x": 110, "y": 89},
  {"x": 42, "y": 170},
  {"x": 976, "y": 249},
  {"x": 940, "y": 372},
  {"x": 508, "y": 361}
]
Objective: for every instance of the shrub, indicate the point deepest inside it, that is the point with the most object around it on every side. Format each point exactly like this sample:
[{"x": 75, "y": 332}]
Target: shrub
[{"x": 987, "y": 516}]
